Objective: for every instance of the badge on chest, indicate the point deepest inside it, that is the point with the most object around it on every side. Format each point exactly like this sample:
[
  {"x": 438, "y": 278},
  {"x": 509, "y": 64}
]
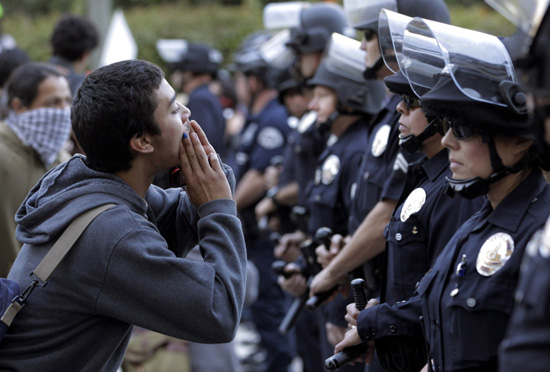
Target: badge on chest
[
  {"x": 494, "y": 254},
  {"x": 329, "y": 170},
  {"x": 413, "y": 204},
  {"x": 380, "y": 141}
]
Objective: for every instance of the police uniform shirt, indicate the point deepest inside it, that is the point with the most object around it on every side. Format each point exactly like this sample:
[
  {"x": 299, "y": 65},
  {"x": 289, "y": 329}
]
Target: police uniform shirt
[
  {"x": 424, "y": 221},
  {"x": 263, "y": 137},
  {"x": 526, "y": 346},
  {"x": 382, "y": 171},
  {"x": 468, "y": 295},
  {"x": 421, "y": 225},
  {"x": 207, "y": 111},
  {"x": 300, "y": 159},
  {"x": 329, "y": 194}
]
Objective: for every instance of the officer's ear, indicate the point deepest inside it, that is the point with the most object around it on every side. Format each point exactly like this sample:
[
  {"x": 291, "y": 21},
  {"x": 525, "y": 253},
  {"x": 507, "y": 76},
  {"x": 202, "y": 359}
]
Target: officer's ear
[{"x": 142, "y": 144}]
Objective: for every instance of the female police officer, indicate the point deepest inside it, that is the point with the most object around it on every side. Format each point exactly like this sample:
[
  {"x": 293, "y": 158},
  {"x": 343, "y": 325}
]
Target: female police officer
[
  {"x": 344, "y": 106},
  {"x": 527, "y": 342},
  {"x": 466, "y": 297},
  {"x": 422, "y": 223}
]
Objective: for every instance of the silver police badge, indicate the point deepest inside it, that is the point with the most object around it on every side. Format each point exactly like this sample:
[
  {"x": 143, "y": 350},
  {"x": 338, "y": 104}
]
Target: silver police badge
[
  {"x": 544, "y": 242},
  {"x": 380, "y": 141},
  {"x": 413, "y": 204},
  {"x": 306, "y": 121},
  {"x": 330, "y": 169},
  {"x": 494, "y": 253}
]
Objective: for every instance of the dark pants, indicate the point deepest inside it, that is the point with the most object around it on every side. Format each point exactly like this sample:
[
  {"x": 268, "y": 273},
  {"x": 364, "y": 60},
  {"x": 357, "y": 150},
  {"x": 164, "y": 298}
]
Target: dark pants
[{"x": 270, "y": 308}]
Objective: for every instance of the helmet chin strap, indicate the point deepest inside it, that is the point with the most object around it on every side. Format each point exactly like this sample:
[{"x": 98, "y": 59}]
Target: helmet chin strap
[
  {"x": 477, "y": 186},
  {"x": 412, "y": 143},
  {"x": 325, "y": 126},
  {"x": 370, "y": 72}
]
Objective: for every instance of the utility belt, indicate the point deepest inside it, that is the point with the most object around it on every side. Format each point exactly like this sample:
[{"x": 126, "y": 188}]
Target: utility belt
[{"x": 401, "y": 353}]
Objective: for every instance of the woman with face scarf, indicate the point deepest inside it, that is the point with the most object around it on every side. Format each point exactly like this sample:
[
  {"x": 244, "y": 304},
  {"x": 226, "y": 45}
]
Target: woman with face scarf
[{"x": 32, "y": 136}]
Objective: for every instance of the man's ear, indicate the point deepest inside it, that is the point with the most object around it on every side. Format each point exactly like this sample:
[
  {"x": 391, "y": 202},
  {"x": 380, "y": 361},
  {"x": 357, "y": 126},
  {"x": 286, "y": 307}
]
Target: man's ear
[
  {"x": 17, "y": 105},
  {"x": 142, "y": 144}
]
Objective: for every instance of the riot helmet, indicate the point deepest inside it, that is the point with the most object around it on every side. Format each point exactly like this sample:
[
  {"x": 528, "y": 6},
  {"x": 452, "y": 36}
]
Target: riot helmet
[
  {"x": 341, "y": 70},
  {"x": 411, "y": 143},
  {"x": 476, "y": 92},
  {"x": 317, "y": 23},
  {"x": 283, "y": 15},
  {"x": 533, "y": 19},
  {"x": 250, "y": 60},
  {"x": 185, "y": 56},
  {"x": 363, "y": 15}
]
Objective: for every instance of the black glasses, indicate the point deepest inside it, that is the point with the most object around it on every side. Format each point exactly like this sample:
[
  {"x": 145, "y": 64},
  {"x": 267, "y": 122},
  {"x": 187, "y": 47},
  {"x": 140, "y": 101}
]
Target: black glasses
[
  {"x": 369, "y": 34},
  {"x": 460, "y": 132},
  {"x": 410, "y": 102}
]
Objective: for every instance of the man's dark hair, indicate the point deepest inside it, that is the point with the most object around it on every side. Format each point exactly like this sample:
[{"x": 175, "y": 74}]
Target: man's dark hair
[
  {"x": 24, "y": 81},
  {"x": 113, "y": 104},
  {"x": 73, "y": 36},
  {"x": 10, "y": 59}
]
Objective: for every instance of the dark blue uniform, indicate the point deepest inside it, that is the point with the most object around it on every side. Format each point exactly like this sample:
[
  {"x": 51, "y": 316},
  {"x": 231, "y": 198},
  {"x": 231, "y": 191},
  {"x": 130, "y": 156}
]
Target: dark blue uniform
[
  {"x": 382, "y": 173},
  {"x": 206, "y": 110},
  {"x": 421, "y": 225},
  {"x": 329, "y": 194},
  {"x": 262, "y": 138},
  {"x": 526, "y": 346},
  {"x": 468, "y": 295},
  {"x": 305, "y": 145},
  {"x": 381, "y": 176},
  {"x": 329, "y": 204}
]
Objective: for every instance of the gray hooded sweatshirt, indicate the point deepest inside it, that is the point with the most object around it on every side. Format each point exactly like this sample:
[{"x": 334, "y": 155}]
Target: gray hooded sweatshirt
[{"x": 126, "y": 269}]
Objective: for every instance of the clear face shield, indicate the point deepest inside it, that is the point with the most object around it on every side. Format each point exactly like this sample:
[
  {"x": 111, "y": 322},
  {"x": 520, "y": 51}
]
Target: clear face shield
[
  {"x": 343, "y": 57},
  {"x": 478, "y": 63},
  {"x": 362, "y": 14},
  {"x": 275, "y": 51},
  {"x": 283, "y": 15},
  {"x": 391, "y": 27},
  {"x": 527, "y": 15}
]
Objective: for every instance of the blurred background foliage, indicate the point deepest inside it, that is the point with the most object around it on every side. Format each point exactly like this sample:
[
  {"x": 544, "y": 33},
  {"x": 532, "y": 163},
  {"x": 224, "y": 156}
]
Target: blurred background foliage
[{"x": 220, "y": 23}]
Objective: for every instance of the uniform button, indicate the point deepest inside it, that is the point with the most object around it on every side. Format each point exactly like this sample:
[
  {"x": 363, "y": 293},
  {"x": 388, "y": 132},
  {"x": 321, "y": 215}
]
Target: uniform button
[
  {"x": 437, "y": 321},
  {"x": 471, "y": 302},
  {"x": 393, "y": 328},
  {"x": 317, "y": 197},
  {"x": 366, "y": 176},
  {"x": 398, "y": 237}
]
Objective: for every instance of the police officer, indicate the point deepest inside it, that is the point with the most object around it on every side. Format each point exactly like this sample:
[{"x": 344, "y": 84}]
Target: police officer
[
  {"x": 309, "y": 38},
  {"x": 527, "y": 341},
  {"x": 344, "y": 106},
  {"x": 420, "y": 226},
  {"x": 382, "y": 172},
  {"x": 262, "y": 137},
  {"x": 466, "y": 298}
]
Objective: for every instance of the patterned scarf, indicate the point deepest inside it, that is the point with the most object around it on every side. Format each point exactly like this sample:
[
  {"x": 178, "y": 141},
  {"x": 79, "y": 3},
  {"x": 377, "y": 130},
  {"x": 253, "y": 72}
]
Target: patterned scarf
[{"x": 45, "y": 130}]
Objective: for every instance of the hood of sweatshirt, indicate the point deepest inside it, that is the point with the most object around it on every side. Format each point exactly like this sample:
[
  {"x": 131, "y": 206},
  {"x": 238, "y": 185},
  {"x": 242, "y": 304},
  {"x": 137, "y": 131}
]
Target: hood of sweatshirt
[{"x": 64, "y": 193}]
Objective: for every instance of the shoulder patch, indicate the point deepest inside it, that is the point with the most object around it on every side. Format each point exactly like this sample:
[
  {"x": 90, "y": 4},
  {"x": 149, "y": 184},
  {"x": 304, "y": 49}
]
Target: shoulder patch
[{"x": 270, "y": 138}]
